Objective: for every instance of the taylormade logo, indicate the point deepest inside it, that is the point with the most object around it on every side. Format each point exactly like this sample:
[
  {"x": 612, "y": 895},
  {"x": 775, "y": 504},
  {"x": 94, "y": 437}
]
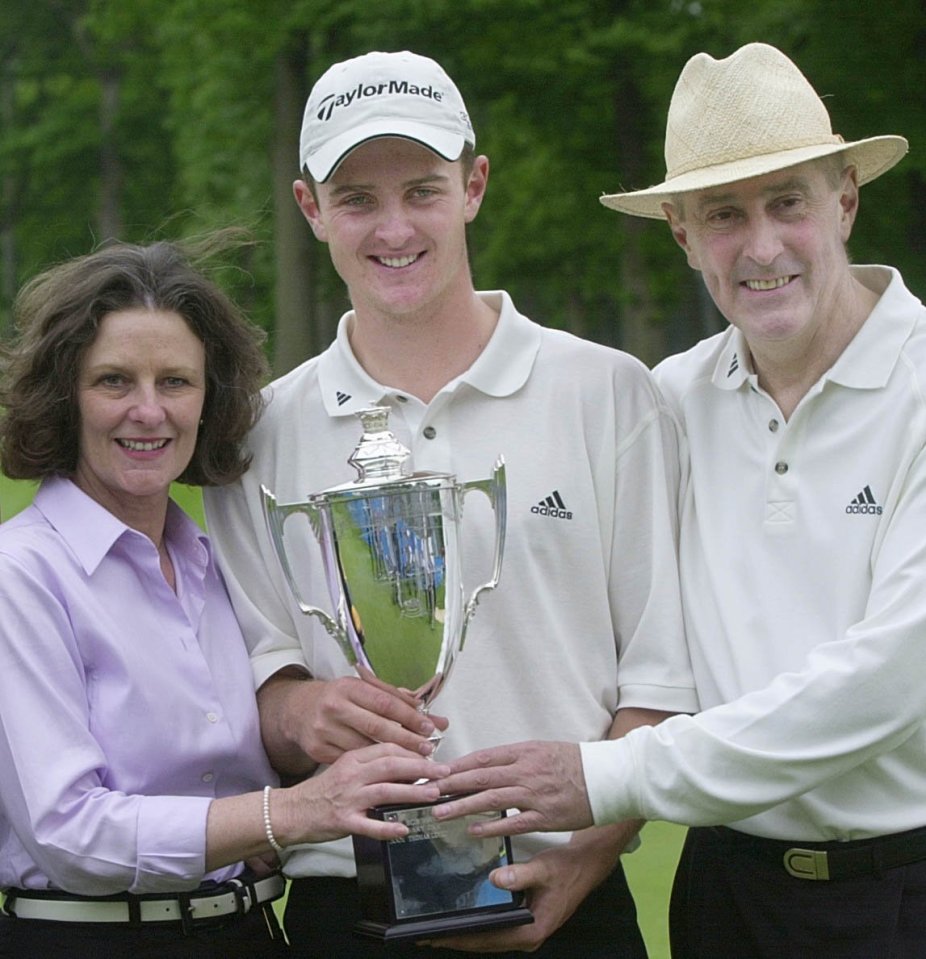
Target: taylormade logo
[{"x": 363, "y": 92}]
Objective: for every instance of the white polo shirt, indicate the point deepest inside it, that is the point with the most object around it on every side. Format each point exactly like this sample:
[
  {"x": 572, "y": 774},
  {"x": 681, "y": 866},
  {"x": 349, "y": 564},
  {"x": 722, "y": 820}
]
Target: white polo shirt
[
  {"x": 803, "y": 557},
  {"x": 587, "y": 616}
]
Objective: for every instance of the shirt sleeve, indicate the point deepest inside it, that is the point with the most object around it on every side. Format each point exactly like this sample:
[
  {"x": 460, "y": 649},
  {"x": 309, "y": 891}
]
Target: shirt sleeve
[
  {"x": 84, "y": 837},
  {"x": 654, "y": 666},
  {"x": 250, "y": 567},
  {"x": 856, "y": 698}
]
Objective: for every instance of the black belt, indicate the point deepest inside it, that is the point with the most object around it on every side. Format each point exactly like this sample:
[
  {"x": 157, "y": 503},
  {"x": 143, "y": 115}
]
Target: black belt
[
  {"x": 832, "y": 860},
  {"x": 235, "y": 897}
]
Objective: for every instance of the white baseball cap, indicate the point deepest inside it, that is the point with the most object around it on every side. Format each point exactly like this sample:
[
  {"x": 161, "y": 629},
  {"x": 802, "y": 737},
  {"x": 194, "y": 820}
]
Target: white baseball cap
[{"x": 381, "y": 95}]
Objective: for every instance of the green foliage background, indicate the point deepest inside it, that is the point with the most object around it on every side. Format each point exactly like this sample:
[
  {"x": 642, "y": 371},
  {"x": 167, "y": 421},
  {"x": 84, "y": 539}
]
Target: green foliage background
[{"x": 171, "y": 117}]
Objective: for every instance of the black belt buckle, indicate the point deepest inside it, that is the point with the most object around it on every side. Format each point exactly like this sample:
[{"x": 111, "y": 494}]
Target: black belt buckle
[
  {"x": 186, "y": 913},
  {"x": 7, "y": 903}
]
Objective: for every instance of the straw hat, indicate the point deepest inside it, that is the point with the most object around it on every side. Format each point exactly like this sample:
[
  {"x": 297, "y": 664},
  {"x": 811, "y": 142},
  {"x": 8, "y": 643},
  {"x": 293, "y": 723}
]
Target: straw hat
[{"x": 750, "y": 114}]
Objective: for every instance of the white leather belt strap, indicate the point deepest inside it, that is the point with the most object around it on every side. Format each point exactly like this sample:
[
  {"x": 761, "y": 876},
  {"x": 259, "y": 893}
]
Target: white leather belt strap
[{"x": 168, "y": 909}]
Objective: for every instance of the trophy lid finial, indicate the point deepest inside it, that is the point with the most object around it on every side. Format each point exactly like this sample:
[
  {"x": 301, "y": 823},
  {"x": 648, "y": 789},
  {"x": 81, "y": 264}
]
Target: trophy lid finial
[{"x": 379, "y": 455}]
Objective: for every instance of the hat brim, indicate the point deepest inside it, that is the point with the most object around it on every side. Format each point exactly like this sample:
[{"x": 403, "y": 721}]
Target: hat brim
[
  {"x": 325, "y": 161},
  {"x": 872, "y": 157}
]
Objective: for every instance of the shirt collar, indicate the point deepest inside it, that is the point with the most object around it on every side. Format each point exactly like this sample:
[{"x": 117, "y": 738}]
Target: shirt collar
[
  {"x": 734, "y": 362},
  {"x": 869, "y": 359},
  {"x": 91, "y": 531},
  {"x": 500, "y": 370}
]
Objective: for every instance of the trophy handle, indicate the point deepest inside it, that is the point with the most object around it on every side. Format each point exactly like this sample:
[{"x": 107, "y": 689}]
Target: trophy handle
[
  {"x": 496, "y": 489},
  {"x": 275, "y": 515}
]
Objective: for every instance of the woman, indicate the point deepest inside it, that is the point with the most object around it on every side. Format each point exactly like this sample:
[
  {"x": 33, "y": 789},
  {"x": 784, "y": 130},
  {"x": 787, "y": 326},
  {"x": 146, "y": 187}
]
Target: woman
[{"x": 132, "y": 776}]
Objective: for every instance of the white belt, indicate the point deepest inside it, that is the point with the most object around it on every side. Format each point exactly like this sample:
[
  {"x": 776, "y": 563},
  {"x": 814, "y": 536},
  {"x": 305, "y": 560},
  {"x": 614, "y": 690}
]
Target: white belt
[{"x": 241, "y": 899}]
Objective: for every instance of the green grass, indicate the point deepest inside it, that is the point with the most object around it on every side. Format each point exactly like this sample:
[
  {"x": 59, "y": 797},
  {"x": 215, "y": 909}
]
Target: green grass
[
  {"x": 649, "y": 869},
  {"x": 16, "y": 495}
]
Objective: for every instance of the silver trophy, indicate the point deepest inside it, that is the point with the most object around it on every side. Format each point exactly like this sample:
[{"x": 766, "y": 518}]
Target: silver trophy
[{"x": 390, "y": 544}]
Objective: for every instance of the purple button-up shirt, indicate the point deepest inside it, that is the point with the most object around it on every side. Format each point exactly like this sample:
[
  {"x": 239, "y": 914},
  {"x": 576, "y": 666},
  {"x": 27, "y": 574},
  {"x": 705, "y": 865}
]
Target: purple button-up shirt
[{"x": 125, "y": 708}]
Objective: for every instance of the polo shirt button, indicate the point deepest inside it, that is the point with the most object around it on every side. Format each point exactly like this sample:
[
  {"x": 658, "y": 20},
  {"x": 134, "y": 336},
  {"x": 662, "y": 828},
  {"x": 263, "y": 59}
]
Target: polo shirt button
[
  {"x": 208, "y": 777},
  {"x": 429, "y": 432},
  {"x": 781, "y": 468},
  {"x": 773, "y": 425},
  {"x": 212, "y": 717}
]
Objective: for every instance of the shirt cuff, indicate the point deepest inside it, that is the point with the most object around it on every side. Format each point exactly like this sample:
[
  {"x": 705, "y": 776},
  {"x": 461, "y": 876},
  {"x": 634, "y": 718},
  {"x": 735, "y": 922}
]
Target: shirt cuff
[
  {"x": 265, "y": 665},
  {"x": 670, "y": 699},
  {"x": 607, "y": 766},
  {"x": 171, "y": 843}
]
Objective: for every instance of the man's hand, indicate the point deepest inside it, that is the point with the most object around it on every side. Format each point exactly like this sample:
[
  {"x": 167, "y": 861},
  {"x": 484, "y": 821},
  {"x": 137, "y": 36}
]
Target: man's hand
[
  {"x": 542, "y": 780},
  {"x": 348, "y": 713},
  {"x": 555, "y": 882},
  {"x": 306, "y": 721}
]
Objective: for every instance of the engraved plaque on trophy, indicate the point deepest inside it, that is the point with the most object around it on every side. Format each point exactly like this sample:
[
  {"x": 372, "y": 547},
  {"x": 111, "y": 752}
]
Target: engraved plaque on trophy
[{"x": 389, "y": 541}]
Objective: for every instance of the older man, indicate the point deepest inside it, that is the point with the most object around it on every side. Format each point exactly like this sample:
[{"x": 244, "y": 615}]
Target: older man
[{"x": 803, "y": 554}]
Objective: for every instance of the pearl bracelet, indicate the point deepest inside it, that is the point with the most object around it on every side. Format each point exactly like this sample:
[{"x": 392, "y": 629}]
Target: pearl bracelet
[{"x": 268, "y": 829}]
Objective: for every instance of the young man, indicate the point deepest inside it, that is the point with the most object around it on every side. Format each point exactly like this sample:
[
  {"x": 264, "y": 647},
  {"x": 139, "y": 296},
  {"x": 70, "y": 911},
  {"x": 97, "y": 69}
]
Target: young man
[
  {"x": 583, "y": 639},
  {"x": 803, "y": 559}
]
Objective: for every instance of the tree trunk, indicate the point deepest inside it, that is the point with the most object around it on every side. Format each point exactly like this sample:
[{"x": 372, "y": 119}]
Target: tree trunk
[
  {"x": 642, "y": 333},
  {"x": 7, "y": 212},
  {"x": 110, "y": 214},
  {"x": 292, "y": 241}
]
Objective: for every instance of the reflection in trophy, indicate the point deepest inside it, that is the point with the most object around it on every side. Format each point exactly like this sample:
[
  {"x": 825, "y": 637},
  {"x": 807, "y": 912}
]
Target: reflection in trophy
[
  {"x": 390, "y": 546},
  {"x": 390, "y": 543}
]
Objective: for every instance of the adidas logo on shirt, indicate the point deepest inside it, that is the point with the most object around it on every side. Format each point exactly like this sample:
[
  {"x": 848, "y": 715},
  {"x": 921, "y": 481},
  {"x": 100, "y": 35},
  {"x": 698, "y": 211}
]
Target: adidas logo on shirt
[
  {"x": 864, "y": 503},
  {"x": 342, "y": 398},
  {"x": 553, "y": 506},
  {"x": 734, "y": 365}
]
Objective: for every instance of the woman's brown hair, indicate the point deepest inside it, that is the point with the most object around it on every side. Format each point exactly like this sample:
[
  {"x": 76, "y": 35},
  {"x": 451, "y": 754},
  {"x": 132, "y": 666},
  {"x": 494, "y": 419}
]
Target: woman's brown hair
[{"x": 57, "y": 316}]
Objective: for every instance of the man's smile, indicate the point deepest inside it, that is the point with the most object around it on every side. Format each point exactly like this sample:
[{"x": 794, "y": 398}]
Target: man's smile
[
  {"x": 774, "y": 284},
  {"x": 397, "y": 262}
]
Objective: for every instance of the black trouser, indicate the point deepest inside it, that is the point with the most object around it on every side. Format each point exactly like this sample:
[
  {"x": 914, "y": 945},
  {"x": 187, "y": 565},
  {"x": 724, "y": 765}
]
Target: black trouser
[
  {"x": 320, "y": 915},
  {"x": 729, "y": 903},
  {"x": 247, "y": 937}
]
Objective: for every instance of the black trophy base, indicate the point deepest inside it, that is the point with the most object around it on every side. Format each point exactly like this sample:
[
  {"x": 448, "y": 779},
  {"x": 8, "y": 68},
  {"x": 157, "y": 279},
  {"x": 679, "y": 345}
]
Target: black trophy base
[
  {"x": 435, "y": 881},
  {"x": 445, "y": 926}
]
